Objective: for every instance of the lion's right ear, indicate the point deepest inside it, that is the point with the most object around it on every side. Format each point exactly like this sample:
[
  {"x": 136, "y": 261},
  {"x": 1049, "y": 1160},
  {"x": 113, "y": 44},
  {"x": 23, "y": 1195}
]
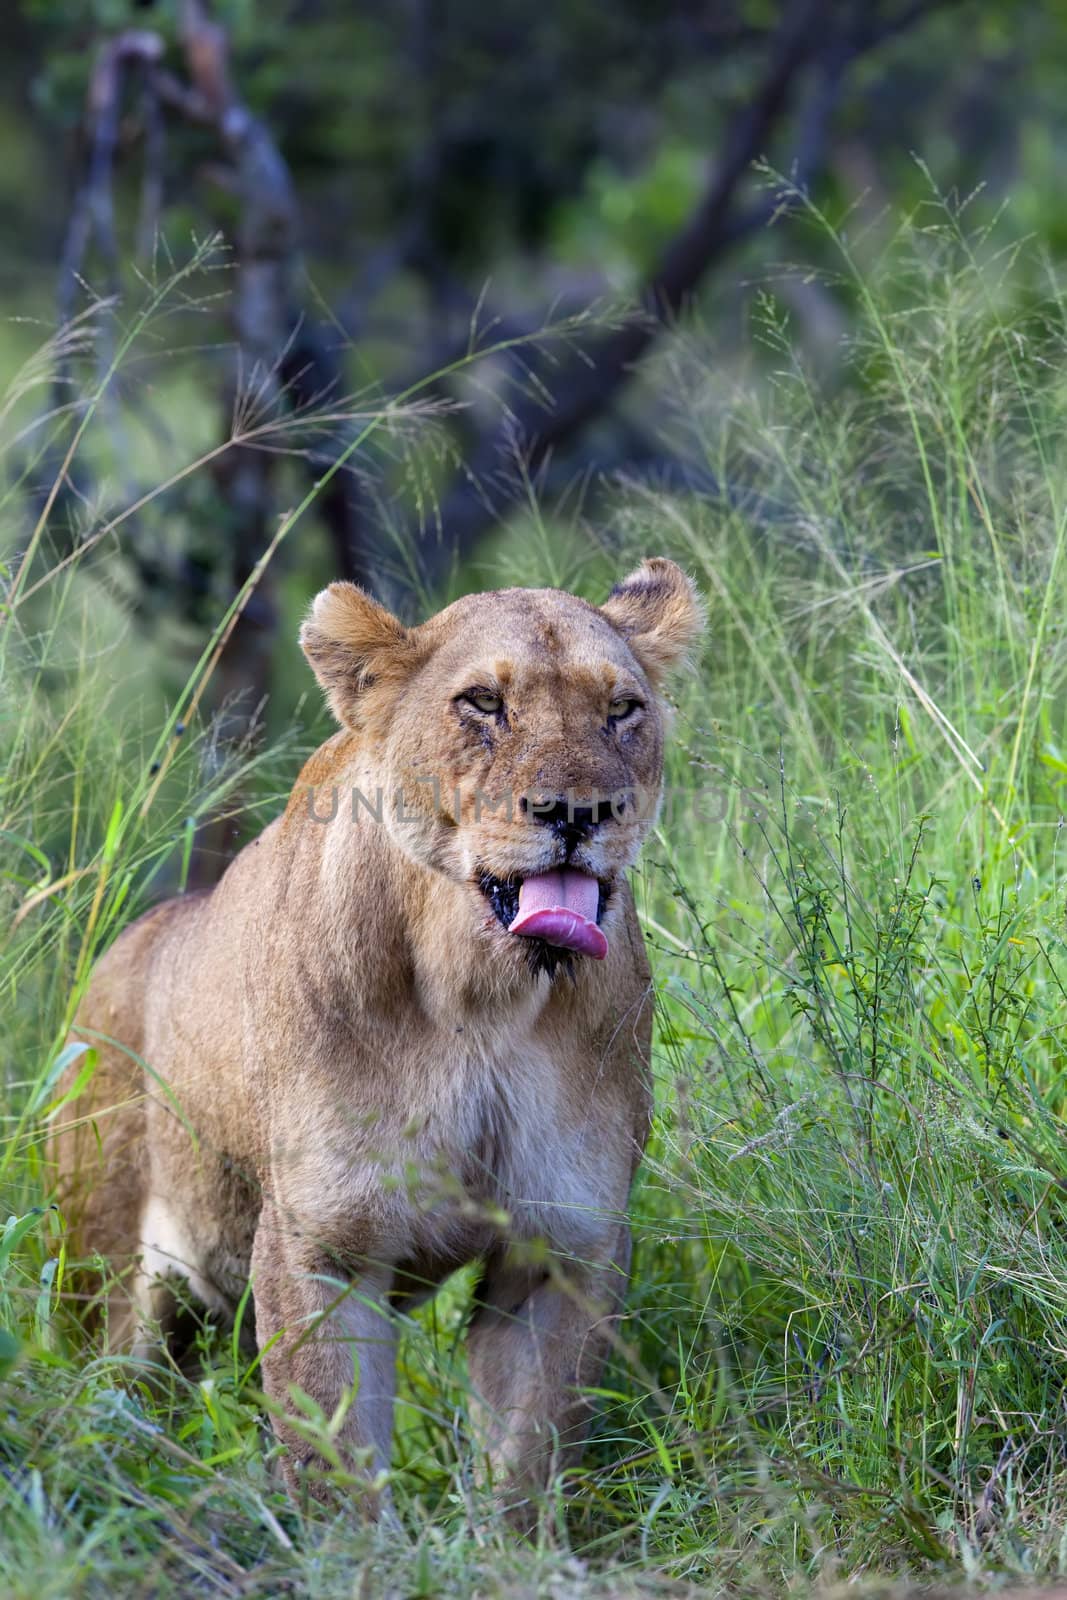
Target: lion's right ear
[
  {"x": 353, "y": 643},
  {"x": 658, "y": 613}
]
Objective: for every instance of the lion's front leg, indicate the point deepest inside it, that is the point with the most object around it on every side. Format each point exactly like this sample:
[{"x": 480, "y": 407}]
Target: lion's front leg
[
  {"x": 537, "y": 1342},
  {"x": 336, "y": 1341}
]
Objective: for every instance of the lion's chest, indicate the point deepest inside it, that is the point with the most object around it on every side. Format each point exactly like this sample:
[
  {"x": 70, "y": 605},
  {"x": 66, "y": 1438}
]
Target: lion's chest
[{"x": 507, "y": 1148}]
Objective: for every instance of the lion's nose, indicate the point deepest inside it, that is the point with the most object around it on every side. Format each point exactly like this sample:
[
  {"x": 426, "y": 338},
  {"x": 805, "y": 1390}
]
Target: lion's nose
[{"x": 568, "y": 820}]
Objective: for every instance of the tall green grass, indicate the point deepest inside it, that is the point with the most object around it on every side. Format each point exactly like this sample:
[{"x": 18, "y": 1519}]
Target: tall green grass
[
  {"x": 846, "y": 1350},
  {"x": 861, "y": 948}
]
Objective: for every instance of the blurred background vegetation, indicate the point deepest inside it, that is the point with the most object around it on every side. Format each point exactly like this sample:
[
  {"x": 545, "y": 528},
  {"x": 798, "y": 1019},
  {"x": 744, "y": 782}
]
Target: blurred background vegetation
[{"x": 516, "y": 216}]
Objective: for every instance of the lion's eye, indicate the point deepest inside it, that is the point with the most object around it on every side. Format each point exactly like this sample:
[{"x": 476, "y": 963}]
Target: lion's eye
[
  {"x": 482, "y": 700},
  {"x": 622, "y": 708}
]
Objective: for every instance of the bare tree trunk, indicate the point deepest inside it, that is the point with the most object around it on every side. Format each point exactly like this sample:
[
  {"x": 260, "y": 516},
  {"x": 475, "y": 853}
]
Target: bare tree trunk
[{"x": 265, "y": 250}]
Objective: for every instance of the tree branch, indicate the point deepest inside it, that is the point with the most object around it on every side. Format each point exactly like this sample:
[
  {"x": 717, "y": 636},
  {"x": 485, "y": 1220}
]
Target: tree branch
[
  {"x": 590, "y": 380},
  {"x": 587, "y": 385}
]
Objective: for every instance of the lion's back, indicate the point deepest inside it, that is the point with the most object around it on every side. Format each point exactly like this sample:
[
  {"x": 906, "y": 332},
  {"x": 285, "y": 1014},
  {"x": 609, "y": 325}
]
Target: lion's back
[{"x": 101, "y": 1132}]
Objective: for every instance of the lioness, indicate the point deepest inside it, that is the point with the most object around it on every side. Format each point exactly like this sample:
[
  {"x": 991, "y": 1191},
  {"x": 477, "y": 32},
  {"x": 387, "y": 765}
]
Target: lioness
[{"x": 409, "y": 1028}]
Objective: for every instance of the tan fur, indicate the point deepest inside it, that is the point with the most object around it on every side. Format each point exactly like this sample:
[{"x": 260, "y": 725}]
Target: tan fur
[{"x": 339, "y": 1074}]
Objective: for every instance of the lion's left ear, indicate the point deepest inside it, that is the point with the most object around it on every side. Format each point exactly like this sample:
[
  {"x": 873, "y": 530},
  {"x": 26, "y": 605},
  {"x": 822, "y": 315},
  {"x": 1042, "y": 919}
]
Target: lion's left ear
[
  {"x": 657, "y": 611},
  {"x": 352, "y": 644}
]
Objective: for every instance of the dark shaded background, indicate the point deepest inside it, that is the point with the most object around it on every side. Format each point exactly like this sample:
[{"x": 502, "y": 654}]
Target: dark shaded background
[{"x": 568, "y": 188}]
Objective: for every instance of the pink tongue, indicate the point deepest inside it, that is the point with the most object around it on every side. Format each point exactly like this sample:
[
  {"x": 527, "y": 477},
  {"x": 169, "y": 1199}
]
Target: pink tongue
[{"x": 560, "y": 908}]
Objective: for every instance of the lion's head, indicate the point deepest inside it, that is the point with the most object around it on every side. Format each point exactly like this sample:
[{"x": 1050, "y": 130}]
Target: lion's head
[{"x": 520, "y": 734}]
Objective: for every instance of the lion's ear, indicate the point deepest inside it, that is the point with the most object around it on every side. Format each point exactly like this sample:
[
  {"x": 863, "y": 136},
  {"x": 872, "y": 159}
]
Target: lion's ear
[
  {"x": 657, "y": 611},
  {"x": 353, "y": 643}
]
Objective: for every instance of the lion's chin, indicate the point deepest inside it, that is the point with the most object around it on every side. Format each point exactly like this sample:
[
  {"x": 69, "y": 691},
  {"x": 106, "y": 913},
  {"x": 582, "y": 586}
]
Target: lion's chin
[{"x": 558, "y": 911}]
